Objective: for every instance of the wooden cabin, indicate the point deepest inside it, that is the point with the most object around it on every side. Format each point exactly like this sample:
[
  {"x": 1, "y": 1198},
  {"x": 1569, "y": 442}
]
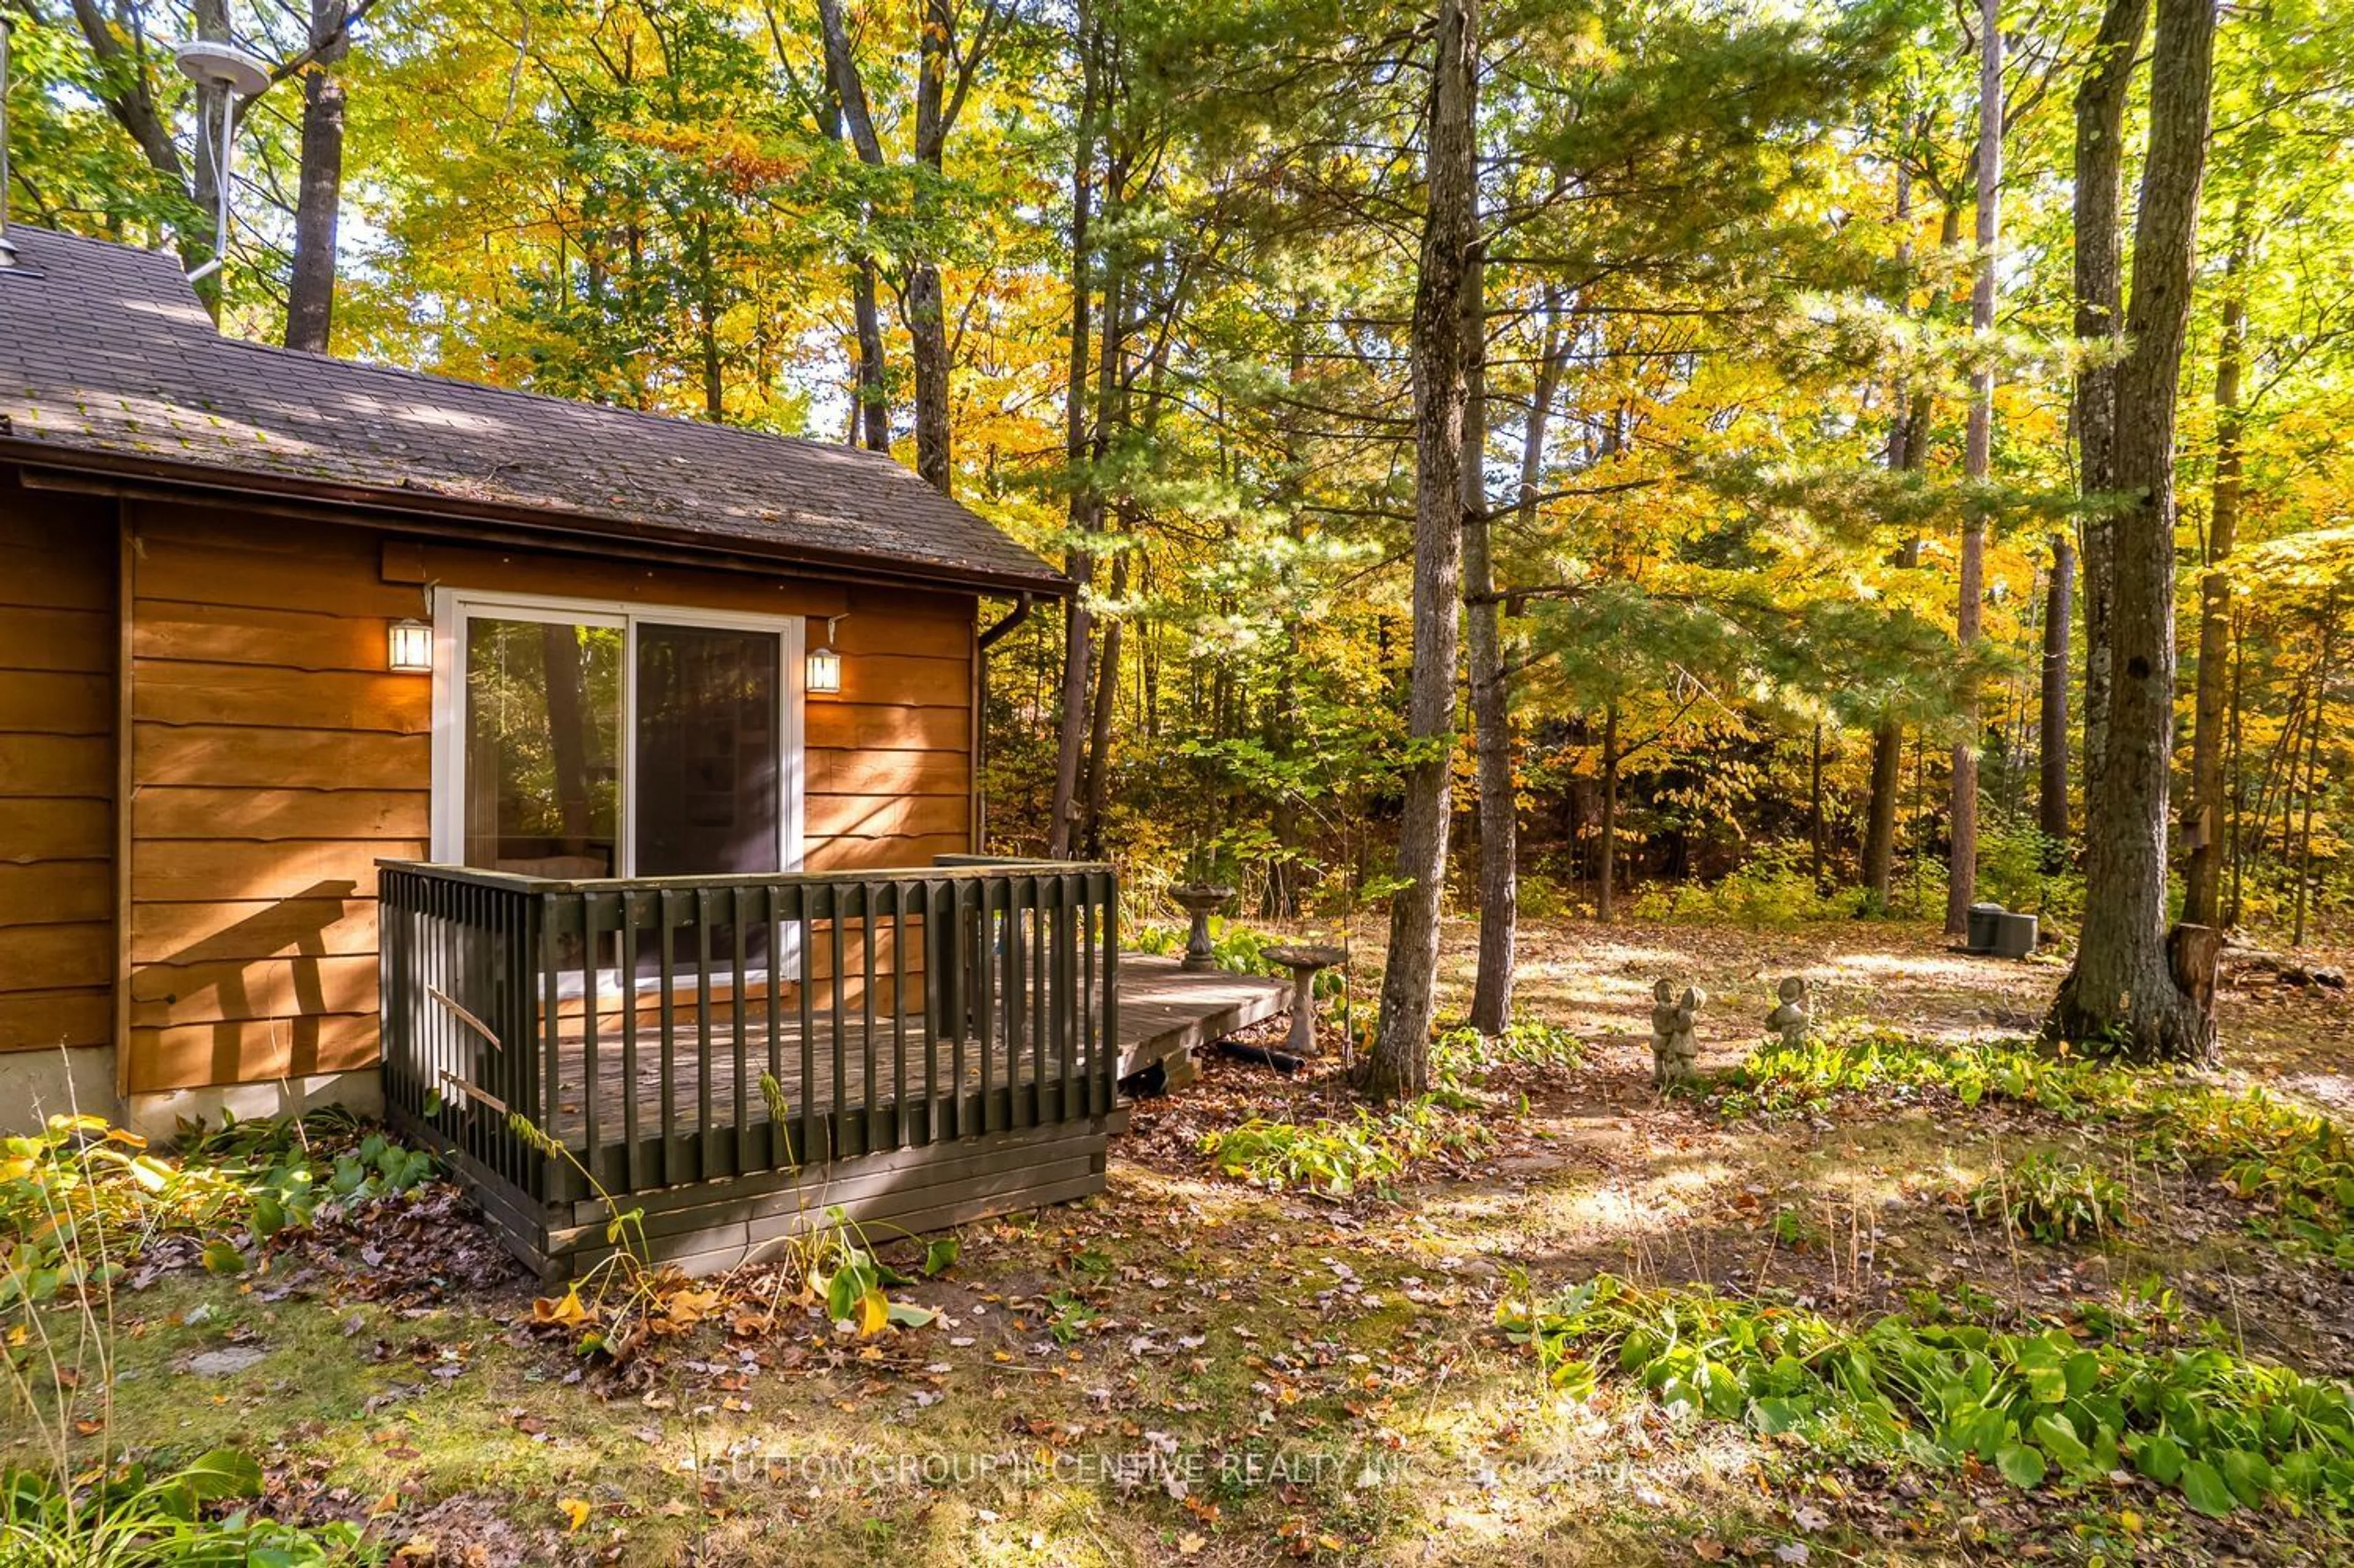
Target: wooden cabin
[{"x": 592, "y": 793}]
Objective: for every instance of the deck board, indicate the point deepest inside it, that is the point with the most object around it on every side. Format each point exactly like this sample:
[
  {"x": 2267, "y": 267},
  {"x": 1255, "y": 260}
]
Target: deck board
[{"x": 1162, "y": 1011}]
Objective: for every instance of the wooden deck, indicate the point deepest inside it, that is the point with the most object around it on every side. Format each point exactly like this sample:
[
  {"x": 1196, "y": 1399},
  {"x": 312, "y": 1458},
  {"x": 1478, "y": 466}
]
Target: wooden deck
[{"x": 1162, "y": 1011}]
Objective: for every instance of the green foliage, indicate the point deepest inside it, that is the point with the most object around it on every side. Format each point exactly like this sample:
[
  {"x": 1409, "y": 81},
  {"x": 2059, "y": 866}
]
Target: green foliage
[
  {"x": 127, "y": 1519},
  {"x": 2223, "y": 1430},
  {"x": 2053, "y": 1199},
  {"x": 2296, "y": 1166},
  {"x": 2015, "y": 862},
  {"x": 1777, "y": 1079},
  {"x": 1338, "y": 1157},
  {"x": 1234, "y": 946},
  {"x": 1774, "y": 886},
  {"x": 1464, "y": 1054},
  {"x": 79, "y": 1197}
]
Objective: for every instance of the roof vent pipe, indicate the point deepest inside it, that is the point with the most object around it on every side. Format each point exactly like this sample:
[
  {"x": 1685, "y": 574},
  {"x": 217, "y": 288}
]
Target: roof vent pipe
[
  {"x": 7, "y": 250},
  {"x": 223, "y": 74}
]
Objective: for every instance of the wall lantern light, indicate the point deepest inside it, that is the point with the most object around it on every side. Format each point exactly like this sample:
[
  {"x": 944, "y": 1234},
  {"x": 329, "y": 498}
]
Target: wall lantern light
[
  {"x": 409, "y": 647},
  {"x": 825, "y": 662}
]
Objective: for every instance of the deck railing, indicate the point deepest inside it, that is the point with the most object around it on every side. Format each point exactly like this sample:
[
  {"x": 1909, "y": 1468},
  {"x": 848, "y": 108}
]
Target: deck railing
[{"x": 678, "y": 1029}]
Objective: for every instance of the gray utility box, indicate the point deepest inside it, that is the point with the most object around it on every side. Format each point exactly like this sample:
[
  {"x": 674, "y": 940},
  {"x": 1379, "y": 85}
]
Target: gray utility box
[{"x": 1996, "y": 931}]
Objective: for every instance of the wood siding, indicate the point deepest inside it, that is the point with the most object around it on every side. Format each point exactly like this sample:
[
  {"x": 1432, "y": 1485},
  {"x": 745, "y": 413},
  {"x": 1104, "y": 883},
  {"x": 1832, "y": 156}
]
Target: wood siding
[
  {"x": 58, "y": 641},
  {"x": 274, "y": 759}
]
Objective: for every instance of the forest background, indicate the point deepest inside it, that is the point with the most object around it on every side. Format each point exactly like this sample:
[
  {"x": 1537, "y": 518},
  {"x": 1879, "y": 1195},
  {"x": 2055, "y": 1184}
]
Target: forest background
[{"x": 1774, "y": 496}]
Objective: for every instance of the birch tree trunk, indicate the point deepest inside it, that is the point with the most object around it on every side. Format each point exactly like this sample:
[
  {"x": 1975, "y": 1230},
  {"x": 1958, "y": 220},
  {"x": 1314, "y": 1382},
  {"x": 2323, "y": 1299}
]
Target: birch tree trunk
[
  {"x": 1977, "y": 455},
  {"x": 1399, "y": 1062},
  {"x": 2126, "y": 990}
]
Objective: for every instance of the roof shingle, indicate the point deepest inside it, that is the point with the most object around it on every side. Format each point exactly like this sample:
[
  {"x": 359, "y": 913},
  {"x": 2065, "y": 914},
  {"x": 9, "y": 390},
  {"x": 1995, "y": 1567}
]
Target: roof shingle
[{"x": 108, "y": 361}]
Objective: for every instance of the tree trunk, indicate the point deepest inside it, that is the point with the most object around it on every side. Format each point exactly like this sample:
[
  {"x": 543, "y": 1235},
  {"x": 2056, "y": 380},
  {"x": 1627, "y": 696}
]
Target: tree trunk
[
  {"x": 2099, "y": 285},
  {"x": 1491, "y": 696},
  {"x": 2312, "y": 767},
  {"x": 1605, "y": 878},
  {"x": 1491, "y": 721},
  {"x": 2123, "y": 991},
  {"x": 1908, "y": 447},
  {"x": 1078, "y": 562},
  {"x": 2051, "y": 722},
  {"x": 1399, "y": 1063},
  {"x": 1099, "y": 724},
  {"x": 319, "y": 190},
  {"x": 874, "y": 395},
  {"x": 1962, "y": 868},
  {"x": 1815, "y": 826},
  {"x": 2203, "y": 819},
  {"x": 926, "y": 308}
]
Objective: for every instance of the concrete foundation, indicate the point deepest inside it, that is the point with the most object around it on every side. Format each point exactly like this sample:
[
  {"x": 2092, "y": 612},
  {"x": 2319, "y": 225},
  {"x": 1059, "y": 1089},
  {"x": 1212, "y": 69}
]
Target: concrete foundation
[{"x": 37, "y": 1085}]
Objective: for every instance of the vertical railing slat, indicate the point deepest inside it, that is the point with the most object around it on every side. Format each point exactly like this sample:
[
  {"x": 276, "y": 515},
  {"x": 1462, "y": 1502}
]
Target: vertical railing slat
[
  {"x": 633, "y": 1122},
  {"x": 940, "y": 958},
  {"x": 666, "y": 978},
  {"x": 899, "y": 1013},
  {"x": 740, "y": 1141},
  {"x": 700, "y": 1165},
  {"x": 592, "y": 1152},
  {"x": 868, "y": 934},
  {"x": 806, "y": 934},
  {"x": 779, "y": 1150},
  {"x": 837, "y": 1112}
]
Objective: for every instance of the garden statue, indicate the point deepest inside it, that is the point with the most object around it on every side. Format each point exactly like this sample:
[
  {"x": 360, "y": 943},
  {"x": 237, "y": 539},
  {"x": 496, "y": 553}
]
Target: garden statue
[
  {"x": 1673, "y": 1050},
  {"x": 1789, "y": 1020}
]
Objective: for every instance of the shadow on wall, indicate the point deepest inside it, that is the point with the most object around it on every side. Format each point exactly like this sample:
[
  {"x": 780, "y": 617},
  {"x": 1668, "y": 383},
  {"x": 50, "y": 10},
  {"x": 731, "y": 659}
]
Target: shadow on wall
[{"x": 276, "y": 1003}]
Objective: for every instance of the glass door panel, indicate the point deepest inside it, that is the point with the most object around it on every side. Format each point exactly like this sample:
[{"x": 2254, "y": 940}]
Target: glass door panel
[
  {"x": 543, "y": 726},
  {"x": 710, "y": 751}
]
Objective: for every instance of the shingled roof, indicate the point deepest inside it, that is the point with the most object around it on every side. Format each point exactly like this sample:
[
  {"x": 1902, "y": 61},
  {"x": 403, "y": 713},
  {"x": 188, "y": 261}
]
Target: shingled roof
[{"x": 107, "y": 364}]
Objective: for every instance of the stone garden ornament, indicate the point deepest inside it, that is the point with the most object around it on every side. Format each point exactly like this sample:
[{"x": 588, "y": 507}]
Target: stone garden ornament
[
  {"x": 1673, "y": 1049},
  {"x": 1790, "y": 1021}
]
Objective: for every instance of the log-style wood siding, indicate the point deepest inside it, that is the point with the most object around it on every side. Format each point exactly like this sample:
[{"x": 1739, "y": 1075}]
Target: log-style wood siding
[
  {"x": 57, "y": 770},
  {"x": 274, "y": 759}
]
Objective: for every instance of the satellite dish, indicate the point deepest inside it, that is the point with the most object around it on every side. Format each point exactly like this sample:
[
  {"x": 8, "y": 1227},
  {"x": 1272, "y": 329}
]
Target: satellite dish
[{"x": 222, "y": 66}]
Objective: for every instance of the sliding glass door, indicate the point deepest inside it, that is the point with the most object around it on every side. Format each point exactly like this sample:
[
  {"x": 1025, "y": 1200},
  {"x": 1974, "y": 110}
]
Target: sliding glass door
[{"x": 576, "y": 740}]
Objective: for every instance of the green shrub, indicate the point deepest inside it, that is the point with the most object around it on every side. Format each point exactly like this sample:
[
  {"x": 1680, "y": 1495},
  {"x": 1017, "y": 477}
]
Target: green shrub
[
  {"x": 2053, "y": 1199},
  {"x": 1338, "y": 1157},
  {"x": 2013, "y": 861},
  {"x": 125, "y": 1519},
  {"x": 2223, "y": 1430}
]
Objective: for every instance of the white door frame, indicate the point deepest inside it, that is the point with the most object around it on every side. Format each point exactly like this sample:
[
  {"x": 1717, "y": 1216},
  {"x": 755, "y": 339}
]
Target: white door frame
[{"x": 452, "y": 607}]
